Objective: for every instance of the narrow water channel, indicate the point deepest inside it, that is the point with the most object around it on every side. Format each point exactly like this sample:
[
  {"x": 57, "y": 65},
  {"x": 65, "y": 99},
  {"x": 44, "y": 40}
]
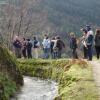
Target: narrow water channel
[{"x": 36, "y": 89}]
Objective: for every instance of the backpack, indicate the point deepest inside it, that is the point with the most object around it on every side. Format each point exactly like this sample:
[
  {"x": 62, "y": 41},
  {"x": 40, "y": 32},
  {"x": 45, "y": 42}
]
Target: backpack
[{"x": 36, "y": 44}]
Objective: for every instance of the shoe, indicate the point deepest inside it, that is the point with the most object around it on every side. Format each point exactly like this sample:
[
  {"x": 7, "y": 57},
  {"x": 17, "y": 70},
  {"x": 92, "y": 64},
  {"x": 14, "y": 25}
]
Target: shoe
[{"x": 89, "y": 60}]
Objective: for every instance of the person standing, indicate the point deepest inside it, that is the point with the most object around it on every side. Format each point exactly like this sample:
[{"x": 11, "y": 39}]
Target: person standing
[
  {"x": 17, "y": 47},
  {"x": 24, "y": 48},
  {"x": 52, "y": 47},
  {"x": 97, "y": 43},
  {"x": 36, "y": 46},
  {"x": 89, "y": 42},
  {"x": 29, "y": 48},
  {"x": 73, "y": 45},
  {"x": 85, "y": 50},
  {"x": 59, "y": 46},
  {"x": 46, "y": 47}
]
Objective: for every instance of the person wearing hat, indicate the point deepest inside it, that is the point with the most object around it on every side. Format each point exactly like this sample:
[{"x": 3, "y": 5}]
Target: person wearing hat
[{"x": 89, "y": 42}]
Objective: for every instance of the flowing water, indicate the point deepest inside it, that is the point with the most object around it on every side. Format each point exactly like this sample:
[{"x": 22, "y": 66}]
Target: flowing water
[{"x": 36, "y": 89}]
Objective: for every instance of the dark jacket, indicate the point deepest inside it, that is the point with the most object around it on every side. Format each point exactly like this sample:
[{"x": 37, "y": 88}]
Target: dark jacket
[
  {"x": 17, "y": 44},
  {"x": 52, "y": 46},
  {"x": 97, "y": 40},
  {"x": 73, "y": 43},
  {"x": 60, "y": 45},
  {"x": 29, "y": 46}
]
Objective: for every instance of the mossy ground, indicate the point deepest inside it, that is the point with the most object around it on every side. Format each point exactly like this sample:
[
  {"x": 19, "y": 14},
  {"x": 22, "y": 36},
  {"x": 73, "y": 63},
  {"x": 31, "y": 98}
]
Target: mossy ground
[{"x": 74, "y": 77}]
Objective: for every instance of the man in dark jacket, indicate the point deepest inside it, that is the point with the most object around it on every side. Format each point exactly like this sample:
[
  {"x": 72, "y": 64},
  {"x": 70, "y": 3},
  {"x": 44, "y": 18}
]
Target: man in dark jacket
[
  {"x": 24, "y": 48},
  {"x": 29, "y": 48},
  {"x": 52, "y": 43},
  {"x": 60, "y": 45},
  {"x": 97, "y": 43},
  {"x": 36, "y": 45}
]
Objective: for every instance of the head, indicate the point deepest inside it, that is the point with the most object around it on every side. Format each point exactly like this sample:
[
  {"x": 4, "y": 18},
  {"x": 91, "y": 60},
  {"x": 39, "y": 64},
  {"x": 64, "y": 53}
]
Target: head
[
  {"x": 34, "y": 38},
  {"x": 24, "y": 39},
  {"x": 58, "y": 37},
  {"x": 45, "y": 36},
  {"x": 88, "y": 27},
  {"x": 28, "y": 40},
  {"x": 16, "y": 38},
  {"x": 53, "y": 38},
  {"x": 97, "y": 31},
  {"x": 72, "y": 34},
  {"x": 84, "y": 31}
]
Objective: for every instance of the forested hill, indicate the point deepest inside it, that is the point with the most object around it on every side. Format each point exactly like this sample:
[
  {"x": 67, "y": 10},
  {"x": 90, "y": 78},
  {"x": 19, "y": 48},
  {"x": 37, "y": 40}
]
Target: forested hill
[
  {"x": 60, "y": 15},
  {"x": 72, "y": 14}
]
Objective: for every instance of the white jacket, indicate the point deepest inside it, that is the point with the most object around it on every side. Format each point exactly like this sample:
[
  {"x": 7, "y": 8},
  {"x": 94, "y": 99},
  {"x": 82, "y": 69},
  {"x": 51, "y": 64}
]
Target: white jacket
[{"x": 46, "y": 43}]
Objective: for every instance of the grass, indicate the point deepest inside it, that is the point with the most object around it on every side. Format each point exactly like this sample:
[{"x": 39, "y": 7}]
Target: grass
[{"x": 74, "y": 77}]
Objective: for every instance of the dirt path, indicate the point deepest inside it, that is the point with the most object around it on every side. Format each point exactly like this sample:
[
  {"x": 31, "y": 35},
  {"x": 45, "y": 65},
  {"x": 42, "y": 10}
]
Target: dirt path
[{"x": 96, "y": 73}]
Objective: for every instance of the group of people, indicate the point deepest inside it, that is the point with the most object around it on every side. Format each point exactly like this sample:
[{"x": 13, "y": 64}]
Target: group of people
[
  {"x": 53, "y": 47},
  {"x": 27, "y": 48},
  {"x": 89, "y": 40},
  {"x": 22, "y": 47}
]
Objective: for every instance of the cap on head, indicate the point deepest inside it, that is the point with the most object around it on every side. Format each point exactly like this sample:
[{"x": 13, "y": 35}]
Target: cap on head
[{"x": 88, "y": 27}]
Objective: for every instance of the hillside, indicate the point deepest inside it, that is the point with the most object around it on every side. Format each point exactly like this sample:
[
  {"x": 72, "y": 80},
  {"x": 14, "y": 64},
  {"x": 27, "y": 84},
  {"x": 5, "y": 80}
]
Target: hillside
[
  {"x": 56, "y": 15},
  {"x": 70, "y": 15}
]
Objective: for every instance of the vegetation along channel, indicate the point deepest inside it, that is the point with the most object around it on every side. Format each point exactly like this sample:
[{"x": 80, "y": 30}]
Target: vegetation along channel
[{"x": 74, "y": 78}]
